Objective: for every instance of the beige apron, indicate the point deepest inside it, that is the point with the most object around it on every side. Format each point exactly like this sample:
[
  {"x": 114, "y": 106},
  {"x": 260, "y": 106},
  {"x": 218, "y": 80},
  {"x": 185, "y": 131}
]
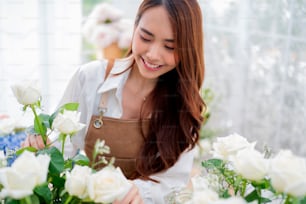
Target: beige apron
[{"x": 124, "y": 137}]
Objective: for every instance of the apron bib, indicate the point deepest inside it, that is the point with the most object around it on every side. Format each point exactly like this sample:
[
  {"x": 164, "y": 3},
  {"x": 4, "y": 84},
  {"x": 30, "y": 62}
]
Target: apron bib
[{"x": 124, "y": 137}]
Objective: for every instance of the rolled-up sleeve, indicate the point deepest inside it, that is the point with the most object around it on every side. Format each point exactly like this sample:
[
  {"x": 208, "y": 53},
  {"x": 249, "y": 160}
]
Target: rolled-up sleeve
[{"x": 172, "y": 179}]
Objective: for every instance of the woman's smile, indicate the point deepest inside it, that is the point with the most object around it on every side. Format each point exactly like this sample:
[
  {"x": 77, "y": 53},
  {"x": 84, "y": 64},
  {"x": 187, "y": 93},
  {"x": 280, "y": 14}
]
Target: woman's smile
[{"x": 151, "y": 66}]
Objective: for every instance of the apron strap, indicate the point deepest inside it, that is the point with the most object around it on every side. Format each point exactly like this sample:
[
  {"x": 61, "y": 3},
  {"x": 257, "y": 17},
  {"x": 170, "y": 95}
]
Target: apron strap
[
  {"x": 104, "y": 97},
  {"x": 102, "y": 108}
]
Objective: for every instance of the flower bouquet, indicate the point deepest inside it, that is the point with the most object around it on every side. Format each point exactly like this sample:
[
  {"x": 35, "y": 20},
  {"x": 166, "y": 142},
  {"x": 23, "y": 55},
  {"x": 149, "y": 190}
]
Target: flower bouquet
[
  {"x": 45, "y": 176},
  {"x": 238, "y": 173}
]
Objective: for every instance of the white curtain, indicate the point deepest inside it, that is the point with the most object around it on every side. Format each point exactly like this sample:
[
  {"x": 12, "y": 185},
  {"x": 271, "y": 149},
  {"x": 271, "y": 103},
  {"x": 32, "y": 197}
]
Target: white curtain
[
  {"x": 255, "y": 55},
  {"x": 39, "y": 40}
]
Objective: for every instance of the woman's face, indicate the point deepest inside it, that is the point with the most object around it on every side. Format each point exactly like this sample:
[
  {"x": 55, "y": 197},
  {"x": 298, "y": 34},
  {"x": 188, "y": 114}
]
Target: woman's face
[{"x": 153, "y": 44}]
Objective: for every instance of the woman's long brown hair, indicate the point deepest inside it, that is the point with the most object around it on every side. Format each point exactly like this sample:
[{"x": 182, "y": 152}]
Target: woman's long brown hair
[{"x": 175, "y": 102}]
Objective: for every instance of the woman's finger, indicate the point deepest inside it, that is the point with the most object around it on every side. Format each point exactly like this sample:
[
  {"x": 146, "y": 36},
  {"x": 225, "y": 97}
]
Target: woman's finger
[
  {"x": 137, "y": 200},
  {"x": 40, "y": 142},
  {"x": 25, "y": 143},
  {"x": 32, "y": 141},
  {"x": 132, "y": 196},
  {"x": 36, "y": 141}
]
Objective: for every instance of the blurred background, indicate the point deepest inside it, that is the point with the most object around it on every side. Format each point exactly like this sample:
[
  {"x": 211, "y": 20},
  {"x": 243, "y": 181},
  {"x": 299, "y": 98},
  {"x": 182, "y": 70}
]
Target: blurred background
[{"x": 255, "y": 56}]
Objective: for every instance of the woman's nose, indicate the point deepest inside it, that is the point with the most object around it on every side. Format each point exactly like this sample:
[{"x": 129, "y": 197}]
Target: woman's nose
[{"x": 154, "y": 52}]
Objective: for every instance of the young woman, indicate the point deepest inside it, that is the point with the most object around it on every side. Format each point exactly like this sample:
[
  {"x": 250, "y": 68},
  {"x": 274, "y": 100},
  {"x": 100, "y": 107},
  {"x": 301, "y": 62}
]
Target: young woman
[{"x": 148, "y": 108}]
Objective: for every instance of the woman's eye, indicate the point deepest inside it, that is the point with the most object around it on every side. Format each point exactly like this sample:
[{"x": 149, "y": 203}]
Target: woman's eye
[
  {"x": 144, "y": 39},
  {"x": 169, "y": 48}
]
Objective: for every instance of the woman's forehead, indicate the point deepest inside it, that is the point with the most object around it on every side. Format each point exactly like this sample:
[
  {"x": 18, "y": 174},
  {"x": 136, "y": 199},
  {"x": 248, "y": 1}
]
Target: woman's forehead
[{"x": 156, "y": 20}]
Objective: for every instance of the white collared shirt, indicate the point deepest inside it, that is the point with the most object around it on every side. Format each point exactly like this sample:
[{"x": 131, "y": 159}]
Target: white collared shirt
[{"x": 85, "y": 87}]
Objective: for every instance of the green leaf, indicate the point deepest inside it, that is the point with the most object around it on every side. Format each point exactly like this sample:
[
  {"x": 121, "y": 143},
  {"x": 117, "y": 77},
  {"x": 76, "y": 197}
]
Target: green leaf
[
  {"x": 39, "y": 127},
  {"x": 225, "y": 194},
  {"x": 24, "y": 108},
  {"x": 69, "y": 106},
  {"x": 34, "y": 199},
  {"x": 38, "y": 104},
  {"x": 30, "y": 149},
  {"x": 263, "y": 184},
  {"x": 11, "y": 201},
  {"x": 252, "y": 196},
  {"x": 57, "y": 181},
  {"x": 45, "y": 119},
  {"x": 81, "y": 160},
  {"x": 213, "y": 163},
  {"x": 44, "y": 193},
  {"x": 302, "y": 200},
  {"x": 265, "y": 200},
  {"x": 57, "y": 161},
  {"x": 68, "y": 164}
]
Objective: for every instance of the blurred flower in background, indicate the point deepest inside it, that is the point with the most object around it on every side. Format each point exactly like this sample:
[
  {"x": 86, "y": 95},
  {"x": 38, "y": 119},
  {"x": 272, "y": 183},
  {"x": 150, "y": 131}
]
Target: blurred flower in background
[{"x": 108, "y": 31}]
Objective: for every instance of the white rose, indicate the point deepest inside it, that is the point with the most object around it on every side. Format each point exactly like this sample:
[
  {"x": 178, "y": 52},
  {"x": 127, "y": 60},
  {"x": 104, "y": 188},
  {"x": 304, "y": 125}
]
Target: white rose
[
  {"x": 104, "y": 35},
  {"x": 250, "y": 163},
  {"x": 7, "y": 125},
  {"x": 27, "y": 171},
  {"x": 287, "y": 173},
  {"x": 229, "y": 145},
  {"x": 105, "y": 11},
  {"x": 199, "y": 183},
  {"x": 76, "y": 181},
  {"x": 205, "y": 146},
  {"x": 15, "y": 184},
  {"x": 36, "y": 166},
  {"x": 27, "y": 93},
  {"x": 68, "y": 122},
  {"x": 107, "y": 185},
  {"x": 125, "y": 27},
  {"x": 231, "y": 200},
  {"x": 206, "y": 196}
]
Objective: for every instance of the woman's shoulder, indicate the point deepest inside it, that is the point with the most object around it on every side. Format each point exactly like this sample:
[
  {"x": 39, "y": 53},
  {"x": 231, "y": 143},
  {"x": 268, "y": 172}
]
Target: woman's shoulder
[
  {"x": 100, "y": 65},
  {"x": 93, "y": 65}
]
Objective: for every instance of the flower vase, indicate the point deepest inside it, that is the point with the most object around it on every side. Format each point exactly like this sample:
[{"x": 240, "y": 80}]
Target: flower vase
[{"x": 111, "y": 52}]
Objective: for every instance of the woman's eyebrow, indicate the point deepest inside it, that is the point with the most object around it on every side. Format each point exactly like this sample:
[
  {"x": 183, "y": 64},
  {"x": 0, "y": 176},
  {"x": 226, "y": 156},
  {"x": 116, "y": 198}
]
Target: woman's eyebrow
[
  {"x": 151, "y": 34},
  {"x": 146, "y": 31}
]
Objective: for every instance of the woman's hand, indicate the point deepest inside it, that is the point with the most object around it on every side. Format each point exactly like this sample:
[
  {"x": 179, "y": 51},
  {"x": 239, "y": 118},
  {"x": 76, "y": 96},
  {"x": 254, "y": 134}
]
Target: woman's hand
[
  {"x": 132, "y": 197},
  {"x": 35, "y": 141}
]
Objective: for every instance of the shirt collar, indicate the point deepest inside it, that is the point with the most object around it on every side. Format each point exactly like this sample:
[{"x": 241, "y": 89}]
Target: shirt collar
[{"x": 117, "y": 73}]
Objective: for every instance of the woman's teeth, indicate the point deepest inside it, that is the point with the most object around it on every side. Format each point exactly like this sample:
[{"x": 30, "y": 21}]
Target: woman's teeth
[{"x": 153, "y": 66}]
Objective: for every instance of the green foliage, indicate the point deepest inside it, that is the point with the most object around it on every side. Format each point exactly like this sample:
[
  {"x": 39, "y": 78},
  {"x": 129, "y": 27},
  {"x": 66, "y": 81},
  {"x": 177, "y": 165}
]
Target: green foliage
[
  {"x": 233, "y": 184},
  {"x": 44, "y": 193},
  {"x": 57, "y": 161}
]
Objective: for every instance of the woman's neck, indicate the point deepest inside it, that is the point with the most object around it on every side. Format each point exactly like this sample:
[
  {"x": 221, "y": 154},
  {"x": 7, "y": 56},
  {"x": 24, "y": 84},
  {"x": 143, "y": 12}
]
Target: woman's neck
[{"x": 138, "y": 84}]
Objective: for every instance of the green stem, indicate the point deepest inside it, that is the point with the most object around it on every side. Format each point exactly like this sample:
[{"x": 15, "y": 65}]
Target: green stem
[
  {"x": 259, "y": 194},
  {"x": 39, "y": 125},
  {"x": 63, "y": 143},
  {"x": 244, "y": 184},
  {"x": 288, "y": 200},
  {"x": 68, "y": 199},
  {"x": 27, "y": 200},
  {"x": 97, "y": 163}
]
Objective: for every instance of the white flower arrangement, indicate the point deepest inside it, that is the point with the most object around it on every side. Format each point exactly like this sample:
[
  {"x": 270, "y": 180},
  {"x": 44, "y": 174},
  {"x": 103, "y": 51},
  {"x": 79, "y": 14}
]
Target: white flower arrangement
[
  {"x": 105, "y": 26},
  {"x": 46, "y": 176},
  {"x": 237, "y": 173}
]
